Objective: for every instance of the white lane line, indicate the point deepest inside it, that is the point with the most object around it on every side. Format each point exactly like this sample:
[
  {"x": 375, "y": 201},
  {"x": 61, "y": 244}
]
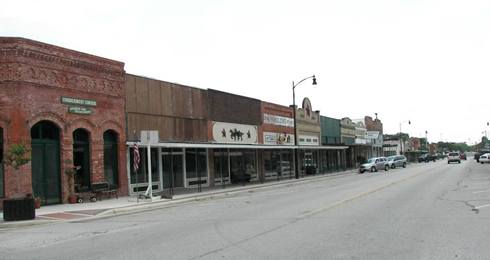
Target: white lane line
[
  {"x": 482, "y": 206},
  {"x": 481, "y": 191}
]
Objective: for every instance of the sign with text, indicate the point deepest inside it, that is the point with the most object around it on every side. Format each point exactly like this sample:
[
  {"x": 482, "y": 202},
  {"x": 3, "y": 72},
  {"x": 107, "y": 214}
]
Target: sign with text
[
  {"x": 80, "y": 110},
  {"x": 278, "y": 120},
  {"x": 309, "y": 140},
  {"x": 272, "y": 138},
  {"x": 234, "y": 133},
  {"x": 78, "y": 101}
]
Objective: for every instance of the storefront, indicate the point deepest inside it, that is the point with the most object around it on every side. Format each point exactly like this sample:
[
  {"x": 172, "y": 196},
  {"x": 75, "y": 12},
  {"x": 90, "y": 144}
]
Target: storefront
[
  {"x": 308, "y": 132},
  {"x": 178, "y": 115},
  {"x": 66, "y": 107},
  {"x": 278, "y": 130},
  {"x": 333, "y": 159}
]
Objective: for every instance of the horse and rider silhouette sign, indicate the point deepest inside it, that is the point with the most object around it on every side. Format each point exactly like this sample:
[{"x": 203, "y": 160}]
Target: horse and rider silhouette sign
[{"x": 234, "y": 133}]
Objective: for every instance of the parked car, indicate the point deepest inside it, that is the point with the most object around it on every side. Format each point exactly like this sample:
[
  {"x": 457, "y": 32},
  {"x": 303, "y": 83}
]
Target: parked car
[
  {"x": 462, "y": 156},
  {"x": 478, "y": 154},
  {"x": 453, "y": 157},
  {"x": 375, "y": 164},
  {"x": 485, "y": 158},
  {"x": 397, "y": 161},
  {"x": 427, "y": 158}
]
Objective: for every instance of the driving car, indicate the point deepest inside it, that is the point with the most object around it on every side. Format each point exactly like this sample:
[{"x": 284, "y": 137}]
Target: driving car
[
  {"x": 453, "y": 157},
  {"x": 397, "y": 161},
  {"x": 375, "y": 164},
  {"x": 462, "y": 156},
  {"x": 485, "y": 158},
  {"x": 426, "y": 158}
]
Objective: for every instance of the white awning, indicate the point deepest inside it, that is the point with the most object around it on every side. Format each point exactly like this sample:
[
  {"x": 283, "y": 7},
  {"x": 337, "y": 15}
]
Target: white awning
[{"x": 236, "y": 146}]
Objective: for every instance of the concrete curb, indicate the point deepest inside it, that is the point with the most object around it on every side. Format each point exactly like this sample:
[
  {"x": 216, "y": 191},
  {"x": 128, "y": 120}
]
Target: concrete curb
[{"x": 165, "y": 203}]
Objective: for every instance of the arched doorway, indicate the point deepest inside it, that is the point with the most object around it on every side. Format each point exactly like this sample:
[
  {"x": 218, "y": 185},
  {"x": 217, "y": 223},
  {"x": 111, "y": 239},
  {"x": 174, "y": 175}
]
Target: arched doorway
[
  {"x": 110, "y": 157},
  {"x": 45, "y": 154},
  {"x": 2, "y": 189},
  {"x": 81, "y": 159}
]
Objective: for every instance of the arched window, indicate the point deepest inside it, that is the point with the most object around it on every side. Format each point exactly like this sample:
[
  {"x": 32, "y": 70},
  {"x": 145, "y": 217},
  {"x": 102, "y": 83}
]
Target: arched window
[
  {"x": 111, "y": 157},
  {"x": 81, "y": 158},
  {"x": 45, "y": 154}
]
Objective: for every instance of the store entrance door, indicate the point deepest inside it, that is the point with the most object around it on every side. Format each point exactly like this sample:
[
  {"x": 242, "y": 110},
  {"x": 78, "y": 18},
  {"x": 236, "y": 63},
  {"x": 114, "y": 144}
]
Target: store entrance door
[{"x": 45, "y": 154}]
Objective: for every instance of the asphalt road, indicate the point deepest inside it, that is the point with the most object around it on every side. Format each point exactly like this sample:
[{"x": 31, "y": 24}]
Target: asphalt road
[{"x": 426, "y": 211}]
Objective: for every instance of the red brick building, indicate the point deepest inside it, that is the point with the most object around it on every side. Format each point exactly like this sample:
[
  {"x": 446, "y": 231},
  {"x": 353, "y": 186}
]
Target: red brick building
[
  {"x": 277, "y": 130},
  {"x": 67, "y": 108}
]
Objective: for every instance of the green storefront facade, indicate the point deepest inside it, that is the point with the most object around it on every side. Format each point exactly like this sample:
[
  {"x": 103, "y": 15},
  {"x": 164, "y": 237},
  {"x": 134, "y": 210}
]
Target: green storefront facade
[{"x": 331, "y": 160}]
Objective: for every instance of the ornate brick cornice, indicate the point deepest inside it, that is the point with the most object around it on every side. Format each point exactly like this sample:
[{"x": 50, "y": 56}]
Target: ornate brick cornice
[
  {"x": 50, "y": 77},
  {"x": 35, "y": 62}
]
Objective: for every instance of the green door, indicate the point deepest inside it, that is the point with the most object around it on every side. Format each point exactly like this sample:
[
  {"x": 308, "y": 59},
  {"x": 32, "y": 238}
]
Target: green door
[{"x": 45, "y": 154}]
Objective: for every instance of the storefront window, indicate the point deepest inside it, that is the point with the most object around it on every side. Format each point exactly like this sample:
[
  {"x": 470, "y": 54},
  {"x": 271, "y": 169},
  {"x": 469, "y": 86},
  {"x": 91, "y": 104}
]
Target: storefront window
[
  {"x": 1, "y": 164},
  {"x": 173, "y": 168},
  {"x": 309, "y": 162},
  {"x": 111, "y": 157},
  {"x": 243, "y": 165},
  {"x": 196, "y": 163},
  {"x": 141, "y": 176},
  {"x": 81, "y": 158},
  {"x": 221, "y": 169}
]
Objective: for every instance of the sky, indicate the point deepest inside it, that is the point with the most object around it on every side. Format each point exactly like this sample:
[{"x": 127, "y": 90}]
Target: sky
[{"x": 426, "y": 61}]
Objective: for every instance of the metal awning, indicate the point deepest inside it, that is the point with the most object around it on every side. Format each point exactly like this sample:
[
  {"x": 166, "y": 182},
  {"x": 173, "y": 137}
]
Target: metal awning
[{"x": 236, "y": 146}]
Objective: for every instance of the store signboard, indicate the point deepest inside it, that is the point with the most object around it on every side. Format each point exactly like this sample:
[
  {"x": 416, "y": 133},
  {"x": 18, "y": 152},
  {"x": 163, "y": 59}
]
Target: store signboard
[
  {"x": 271, "y": 138},
  {"x": 80, "y": 110},
  {"x": 78, "y": 101},
  {"x": 278, "y": 120},
  {"x": 234, "y": 133},
  {"x": 309, "y": 140}
]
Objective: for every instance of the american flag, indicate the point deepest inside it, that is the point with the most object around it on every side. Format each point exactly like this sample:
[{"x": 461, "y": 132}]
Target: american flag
[{"x": 136, "y": 157}]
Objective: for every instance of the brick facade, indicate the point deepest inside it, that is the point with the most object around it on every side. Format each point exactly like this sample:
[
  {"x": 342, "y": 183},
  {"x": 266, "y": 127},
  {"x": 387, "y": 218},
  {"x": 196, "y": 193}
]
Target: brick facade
[
  {"x": 275, "y": 110},
  {"x": 33, "y": 78}
]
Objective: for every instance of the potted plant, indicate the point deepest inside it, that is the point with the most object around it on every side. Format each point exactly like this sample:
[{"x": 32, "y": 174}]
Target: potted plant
[
  {"x": 19, "y": 207},
  {"x": 71, "y": 171}
]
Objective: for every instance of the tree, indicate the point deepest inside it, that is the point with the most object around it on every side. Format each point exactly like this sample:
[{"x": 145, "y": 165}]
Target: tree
[{"x": 17, "y": 155}]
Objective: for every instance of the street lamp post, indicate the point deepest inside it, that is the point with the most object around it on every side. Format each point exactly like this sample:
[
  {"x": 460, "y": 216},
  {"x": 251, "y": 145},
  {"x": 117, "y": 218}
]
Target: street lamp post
[
  {"x": 401, "y": 145},
  {"x": 426, "y": 142},
  {"x": 296, "y": 172}
]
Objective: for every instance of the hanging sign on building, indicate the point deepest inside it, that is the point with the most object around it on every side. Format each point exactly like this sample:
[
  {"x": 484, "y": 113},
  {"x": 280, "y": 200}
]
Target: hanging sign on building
[
  {"x": 272, "y": 138},
  {"x": 234, "y": 133},
  {"x": 308, "y": 140},
  {"x": 278, "y": 120}
]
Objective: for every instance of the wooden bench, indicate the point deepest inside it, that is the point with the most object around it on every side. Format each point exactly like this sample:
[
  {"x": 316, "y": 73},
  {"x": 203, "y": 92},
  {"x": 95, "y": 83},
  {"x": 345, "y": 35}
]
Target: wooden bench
[{"x": 100, "y": 188}]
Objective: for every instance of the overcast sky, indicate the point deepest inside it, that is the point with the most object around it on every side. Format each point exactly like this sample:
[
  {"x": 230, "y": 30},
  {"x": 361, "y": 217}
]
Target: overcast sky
[{"x": 424, "y": 61}]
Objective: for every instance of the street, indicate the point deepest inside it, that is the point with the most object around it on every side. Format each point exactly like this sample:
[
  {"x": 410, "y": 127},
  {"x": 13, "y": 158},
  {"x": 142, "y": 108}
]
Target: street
[{"x": 425, "y": 211}]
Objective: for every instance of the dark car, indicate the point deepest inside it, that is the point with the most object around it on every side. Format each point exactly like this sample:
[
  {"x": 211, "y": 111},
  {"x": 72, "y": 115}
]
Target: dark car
[
  {"x": 462, "y": 156},
  {"x": 426, "y": 158}
]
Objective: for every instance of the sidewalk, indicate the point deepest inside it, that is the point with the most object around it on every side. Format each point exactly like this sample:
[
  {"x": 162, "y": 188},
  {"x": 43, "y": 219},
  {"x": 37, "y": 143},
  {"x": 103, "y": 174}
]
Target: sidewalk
[{"x": 124, "y": 205}]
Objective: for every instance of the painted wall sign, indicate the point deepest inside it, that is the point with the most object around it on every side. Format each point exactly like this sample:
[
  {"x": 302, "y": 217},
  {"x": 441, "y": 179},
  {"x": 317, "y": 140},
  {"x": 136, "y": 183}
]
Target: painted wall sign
[
  {"x": 234, "y": 133},
  {"x": 308, "y": 140},
  {"x": 80, "y": 110},
  {"x": 271, "y": 138},
  {"x": 278, "y": 120},
  {"x": 78, "y": 101}
]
